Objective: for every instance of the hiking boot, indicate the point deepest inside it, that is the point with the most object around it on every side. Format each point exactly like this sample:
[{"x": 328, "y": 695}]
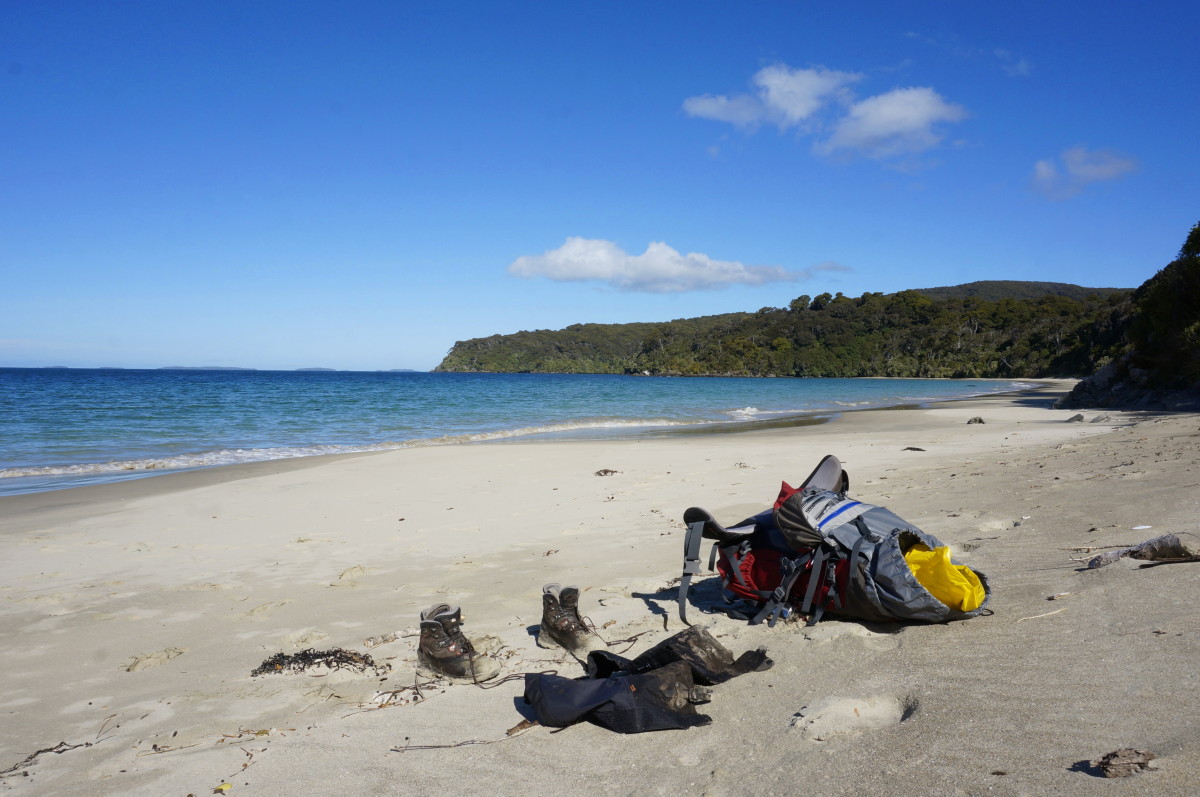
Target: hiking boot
[
  {"x": 561, "y": 623},
  {"x": 444, "y": 651}
]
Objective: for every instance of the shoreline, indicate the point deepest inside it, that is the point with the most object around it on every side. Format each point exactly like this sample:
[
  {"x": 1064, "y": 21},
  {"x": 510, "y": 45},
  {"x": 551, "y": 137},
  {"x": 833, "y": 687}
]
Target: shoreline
[
  {"x": 136, "y": 611},
  {"x": 256, "y": 467}
]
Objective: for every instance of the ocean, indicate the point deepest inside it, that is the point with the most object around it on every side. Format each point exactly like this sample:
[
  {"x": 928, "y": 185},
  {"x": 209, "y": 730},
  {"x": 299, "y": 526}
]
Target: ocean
[{"x": 65, "y": 427}]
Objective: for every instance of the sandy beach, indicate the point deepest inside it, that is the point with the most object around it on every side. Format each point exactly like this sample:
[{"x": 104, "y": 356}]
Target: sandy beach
[{"x": 134, "y": 613}]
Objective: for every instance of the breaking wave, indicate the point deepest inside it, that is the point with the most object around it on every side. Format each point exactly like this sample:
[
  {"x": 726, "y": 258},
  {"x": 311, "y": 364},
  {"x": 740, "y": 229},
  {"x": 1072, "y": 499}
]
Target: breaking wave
[{"x": 237, "y": 456}]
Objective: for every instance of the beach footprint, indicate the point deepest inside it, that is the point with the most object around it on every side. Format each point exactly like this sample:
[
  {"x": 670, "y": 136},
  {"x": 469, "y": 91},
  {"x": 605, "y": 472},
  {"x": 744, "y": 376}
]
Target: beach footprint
[
  {"x": 833, "y": 717},
  {"x": 349, "y": 577},
  {"x": 148, "y": 660},
  {"x": 264, "y": 609},
  {"x": 832, "y": 630},
  {"x": 304, "y": 638}
]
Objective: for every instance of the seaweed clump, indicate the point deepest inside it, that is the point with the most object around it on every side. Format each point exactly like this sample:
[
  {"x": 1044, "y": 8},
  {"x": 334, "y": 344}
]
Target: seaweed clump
[{"x": 333, "y": 659}]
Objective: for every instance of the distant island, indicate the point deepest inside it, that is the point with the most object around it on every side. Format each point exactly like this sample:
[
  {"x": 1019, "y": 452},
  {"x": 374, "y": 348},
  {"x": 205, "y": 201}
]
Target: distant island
[
  {"x": 234, "y": 367},
  {"x": 213, "y": 368},
  {"x": 203, "y": 368}
]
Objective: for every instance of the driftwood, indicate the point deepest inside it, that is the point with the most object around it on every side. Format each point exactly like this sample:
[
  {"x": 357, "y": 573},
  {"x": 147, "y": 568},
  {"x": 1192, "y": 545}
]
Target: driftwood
[{"x": 1167, "y": 548}]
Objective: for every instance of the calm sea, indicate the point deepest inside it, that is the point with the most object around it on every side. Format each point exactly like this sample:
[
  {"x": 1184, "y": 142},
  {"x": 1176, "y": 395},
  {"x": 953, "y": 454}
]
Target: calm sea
[{"x": 66, "y": 427}]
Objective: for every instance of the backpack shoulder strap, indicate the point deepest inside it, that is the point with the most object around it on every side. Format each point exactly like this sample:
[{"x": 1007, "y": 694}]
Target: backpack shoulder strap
[
  {"x": 691, "y": 558},
  {"x": 702, "y": 525}
]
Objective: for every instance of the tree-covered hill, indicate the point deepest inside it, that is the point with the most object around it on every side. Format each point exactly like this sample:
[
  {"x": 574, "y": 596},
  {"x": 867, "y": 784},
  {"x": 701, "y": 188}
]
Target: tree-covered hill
[
  {"x": 995, "y": 290},
  {"x": 904, "y": 334},
  {"x": 578, "y": 349},
  {"x": 1159, "y": 366}
]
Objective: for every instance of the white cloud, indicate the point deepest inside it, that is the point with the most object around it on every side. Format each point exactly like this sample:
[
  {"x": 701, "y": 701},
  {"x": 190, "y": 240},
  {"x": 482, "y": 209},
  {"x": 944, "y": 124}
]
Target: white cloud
[
  {"x": 828, "y": 265},
  {"x": 1045, "y": 173},
  {"x": 660, "y": 269},
  {"x": 783, "y": 96},
  {"x": 794, "y": 95},
  {"x": 1013, "y": 65},
  {"x": 1080, "y": 168},
  {"x": 900, "y": 122},
  {"x": 742, "y": 110},
  {"x": 1091, "y": 167}
]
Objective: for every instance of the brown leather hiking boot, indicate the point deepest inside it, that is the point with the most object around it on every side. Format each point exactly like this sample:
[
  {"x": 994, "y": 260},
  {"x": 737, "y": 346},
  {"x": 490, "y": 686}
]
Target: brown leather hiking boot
[
  {"x": 561, "y": 623},
  {"x": 444, "y": 651}
]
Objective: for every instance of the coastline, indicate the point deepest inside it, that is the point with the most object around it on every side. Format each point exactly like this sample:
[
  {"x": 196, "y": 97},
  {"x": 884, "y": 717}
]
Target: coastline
[
  {"x": 136, "y": 610},
  {"x": 107, "y": 449}
]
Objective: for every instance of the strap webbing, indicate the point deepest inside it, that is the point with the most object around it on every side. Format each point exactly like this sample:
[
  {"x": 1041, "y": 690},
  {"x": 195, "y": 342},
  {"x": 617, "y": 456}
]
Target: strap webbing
[
  {"x": 818, "y": 573},
  {"x": 691, "y": 564},
  {"x": 777, "y": 604},
  {"x": 733, "y": 558},
  {"x": 828, "y": 579},
  {"x": 865, "y": 536}
]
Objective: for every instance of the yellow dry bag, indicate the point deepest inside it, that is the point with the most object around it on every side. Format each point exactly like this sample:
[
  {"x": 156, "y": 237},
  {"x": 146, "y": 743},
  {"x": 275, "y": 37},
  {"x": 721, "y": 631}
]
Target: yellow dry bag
[{"x": 957, "y": 586}]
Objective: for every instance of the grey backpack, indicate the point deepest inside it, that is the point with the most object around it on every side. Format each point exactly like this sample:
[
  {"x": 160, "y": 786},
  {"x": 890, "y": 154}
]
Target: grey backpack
[{"x": 818, "y": 552}]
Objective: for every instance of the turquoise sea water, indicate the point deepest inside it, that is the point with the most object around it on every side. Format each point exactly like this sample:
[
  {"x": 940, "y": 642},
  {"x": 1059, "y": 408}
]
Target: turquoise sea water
[{"x": 66, "y": 427}]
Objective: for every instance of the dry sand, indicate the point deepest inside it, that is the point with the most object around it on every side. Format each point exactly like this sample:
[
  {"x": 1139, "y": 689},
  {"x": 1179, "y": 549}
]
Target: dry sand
[{"x": 134, "y": 613}]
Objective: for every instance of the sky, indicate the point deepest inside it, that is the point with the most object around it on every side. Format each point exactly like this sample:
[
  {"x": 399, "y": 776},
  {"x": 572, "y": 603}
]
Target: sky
[{"x": 358, "y": 185}]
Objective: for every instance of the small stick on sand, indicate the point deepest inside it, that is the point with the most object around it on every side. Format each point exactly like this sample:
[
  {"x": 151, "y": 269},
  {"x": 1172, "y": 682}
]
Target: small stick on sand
[
  {"x": 1090, "y": 548},
  {"x": 1047, "y": 614}
]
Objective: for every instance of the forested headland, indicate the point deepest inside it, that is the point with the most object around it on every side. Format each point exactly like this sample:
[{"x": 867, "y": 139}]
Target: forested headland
[
  {"x": 984, "y": 329},
  {"x": 1142, "y": 347},
  {"x": 1158, "y": 363}
]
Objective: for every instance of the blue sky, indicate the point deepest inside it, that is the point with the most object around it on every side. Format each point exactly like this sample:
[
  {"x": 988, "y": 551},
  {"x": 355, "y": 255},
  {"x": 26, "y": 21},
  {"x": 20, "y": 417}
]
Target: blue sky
[{"x": 360, "y": 184}]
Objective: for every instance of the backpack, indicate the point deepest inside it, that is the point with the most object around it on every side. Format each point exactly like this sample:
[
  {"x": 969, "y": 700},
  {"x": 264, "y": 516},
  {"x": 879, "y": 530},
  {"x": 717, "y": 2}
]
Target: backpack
[{"x": 818, "y": 552}]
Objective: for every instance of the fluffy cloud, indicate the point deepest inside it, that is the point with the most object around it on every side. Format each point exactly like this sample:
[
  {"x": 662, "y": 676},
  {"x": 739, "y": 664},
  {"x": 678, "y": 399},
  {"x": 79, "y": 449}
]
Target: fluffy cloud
[
  {"x": 900, "y": 122},
  {"x": 782, "y": 95},
  {"x": 793, "y": 95},
  {"x": 660, "y": 269},
  {"x": 1080, "y": 168}
]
